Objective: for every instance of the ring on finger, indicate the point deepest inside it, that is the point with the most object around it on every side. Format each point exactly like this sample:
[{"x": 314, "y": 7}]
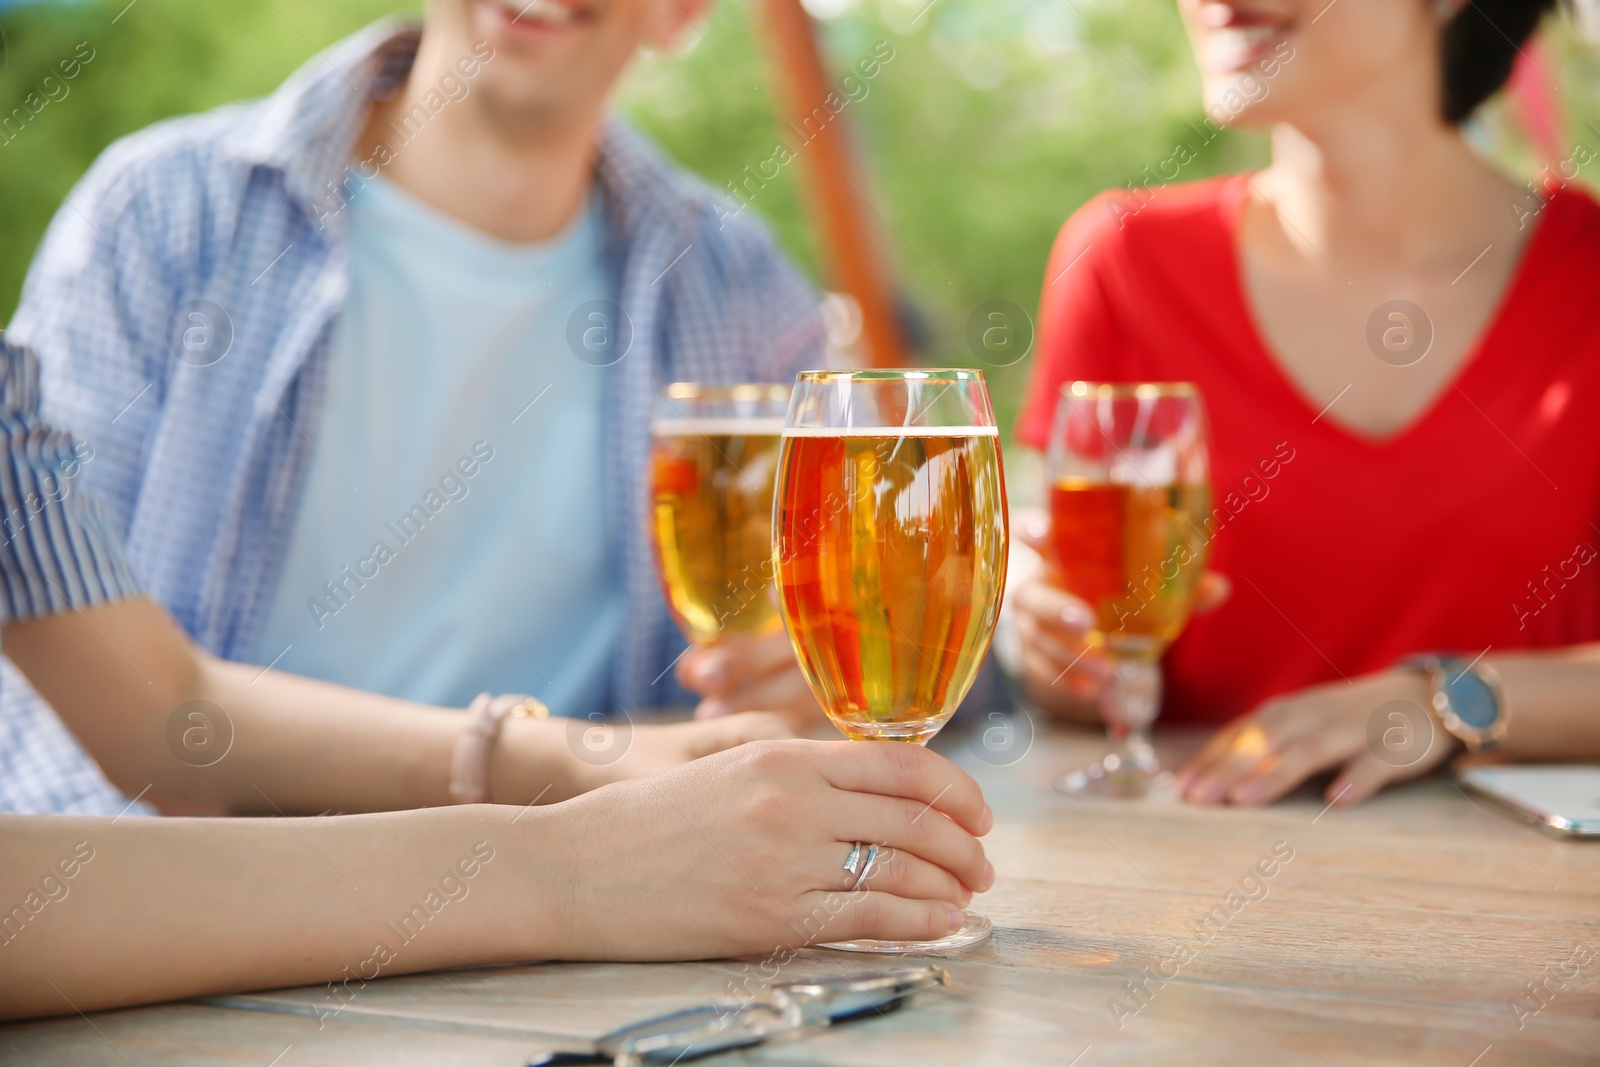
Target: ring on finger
[
  {"x": 866, "y": 869},
  {"x": 853, "y": 863}
]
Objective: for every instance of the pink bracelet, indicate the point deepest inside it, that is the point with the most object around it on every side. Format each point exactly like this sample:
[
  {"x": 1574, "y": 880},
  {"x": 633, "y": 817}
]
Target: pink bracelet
[{"x": 469, "y": 762}]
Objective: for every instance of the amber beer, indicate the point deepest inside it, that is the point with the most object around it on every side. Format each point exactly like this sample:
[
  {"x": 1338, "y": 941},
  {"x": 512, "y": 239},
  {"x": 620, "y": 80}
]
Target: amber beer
[
  {"x": 891, "y": 549},
  {"x": 711, "y": 500},
  {"x": 1133, "y": 553}
]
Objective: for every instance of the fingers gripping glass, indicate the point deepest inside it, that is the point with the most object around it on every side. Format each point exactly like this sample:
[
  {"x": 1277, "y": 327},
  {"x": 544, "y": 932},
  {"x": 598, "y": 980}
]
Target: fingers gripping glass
[
  {"x": 792, "y": 1010},
  {"x": 890, "y": 536},
  {"x": 1130, "y": 496}
]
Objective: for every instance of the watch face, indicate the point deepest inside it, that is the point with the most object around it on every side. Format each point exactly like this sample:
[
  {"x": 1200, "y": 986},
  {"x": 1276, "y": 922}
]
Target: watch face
[{"x": 1472, "y": 700}]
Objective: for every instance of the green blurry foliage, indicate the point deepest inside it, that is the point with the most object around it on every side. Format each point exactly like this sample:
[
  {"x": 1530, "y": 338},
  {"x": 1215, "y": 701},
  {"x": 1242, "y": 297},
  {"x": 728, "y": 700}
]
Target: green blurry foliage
[{"x": 992, "y": 122}]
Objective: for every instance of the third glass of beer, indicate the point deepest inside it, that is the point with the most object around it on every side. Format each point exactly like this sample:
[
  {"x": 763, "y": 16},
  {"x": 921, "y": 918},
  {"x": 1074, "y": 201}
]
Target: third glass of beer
[
  {"x": 714, "y": 455},
  {"x": 890, "y": 533},
  {"x": 1129, "y": 491}
]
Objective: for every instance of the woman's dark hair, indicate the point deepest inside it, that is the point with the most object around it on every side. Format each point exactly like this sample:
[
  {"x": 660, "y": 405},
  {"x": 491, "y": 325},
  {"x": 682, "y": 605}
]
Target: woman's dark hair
[{"x": 1479, "y": 46}]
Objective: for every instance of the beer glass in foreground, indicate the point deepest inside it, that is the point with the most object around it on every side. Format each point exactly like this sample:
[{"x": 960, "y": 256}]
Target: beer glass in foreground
[
  {"x": 1130, "y": 492},
  {"x": 890, "y": 533},
  {"x": 713, "y": 460}
]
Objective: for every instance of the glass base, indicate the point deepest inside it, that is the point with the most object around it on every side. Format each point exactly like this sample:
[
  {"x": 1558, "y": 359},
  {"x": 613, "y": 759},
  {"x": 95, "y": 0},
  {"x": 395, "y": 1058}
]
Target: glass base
[
  {"x": 916, "y": 731},
  {"x": 974, "y": 930},
  {"x": 1118, "y": 777}
]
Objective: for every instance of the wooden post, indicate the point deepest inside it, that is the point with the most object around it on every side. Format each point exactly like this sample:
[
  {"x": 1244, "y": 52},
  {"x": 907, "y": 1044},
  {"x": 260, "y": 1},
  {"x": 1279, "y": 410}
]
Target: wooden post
[{"x": 839, "y": 210}]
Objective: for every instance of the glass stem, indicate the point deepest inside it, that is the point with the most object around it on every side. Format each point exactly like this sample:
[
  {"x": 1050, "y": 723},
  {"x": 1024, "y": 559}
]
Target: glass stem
[
  {"x": 1136, "y": 748},
  {"x": 1129, "y": 703}
]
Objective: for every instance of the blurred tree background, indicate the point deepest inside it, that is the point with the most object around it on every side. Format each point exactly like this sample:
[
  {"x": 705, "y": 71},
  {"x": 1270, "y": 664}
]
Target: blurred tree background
[{"x": 992, "y": 122}]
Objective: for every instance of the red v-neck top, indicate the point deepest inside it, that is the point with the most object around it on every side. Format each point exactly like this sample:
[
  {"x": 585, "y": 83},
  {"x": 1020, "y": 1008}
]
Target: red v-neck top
[{"x": 1475, "y": 526}]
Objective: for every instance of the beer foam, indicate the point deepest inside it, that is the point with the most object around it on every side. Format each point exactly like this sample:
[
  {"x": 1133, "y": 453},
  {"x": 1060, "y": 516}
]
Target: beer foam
[
  {"x": 892, "y": 431},
  {"x": 718, "y": 425}
]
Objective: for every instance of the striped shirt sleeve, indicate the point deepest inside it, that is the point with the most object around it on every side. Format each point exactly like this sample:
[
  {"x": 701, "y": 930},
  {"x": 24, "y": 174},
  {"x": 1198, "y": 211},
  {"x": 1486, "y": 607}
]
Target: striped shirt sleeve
[{"x": 56, "y": 551}]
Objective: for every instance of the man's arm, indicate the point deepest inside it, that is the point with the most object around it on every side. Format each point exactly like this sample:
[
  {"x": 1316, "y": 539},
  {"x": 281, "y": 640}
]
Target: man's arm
[
  {"x": 191, "y": 732},
  {"x": 167, "y": 721}
]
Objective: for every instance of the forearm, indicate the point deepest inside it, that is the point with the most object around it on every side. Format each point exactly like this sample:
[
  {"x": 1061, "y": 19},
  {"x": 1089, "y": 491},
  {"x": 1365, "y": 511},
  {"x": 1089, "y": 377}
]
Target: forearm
[
  {"x": 309, "y": 747},
  {"x": 1553, "y": 703},
  {"x": 157, "y": 909},
  {"x": 305, "y": 747},
  {"x": 190, "y": 732}
]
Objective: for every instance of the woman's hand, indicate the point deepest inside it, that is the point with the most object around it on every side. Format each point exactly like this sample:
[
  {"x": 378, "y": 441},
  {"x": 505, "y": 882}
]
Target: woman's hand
[
  {"x": 654, "y": 748},
  {"x": 1264, "y": 755},
  {"x": 1061, "y": 674},
  {"x": 743, "y": 852},
  {"x": 741, "y": 673},
  {"x": 571, "y": 756}
]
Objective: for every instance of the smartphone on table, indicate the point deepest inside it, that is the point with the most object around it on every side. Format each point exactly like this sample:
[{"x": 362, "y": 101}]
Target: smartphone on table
[{"x": 1563, "y": 799}]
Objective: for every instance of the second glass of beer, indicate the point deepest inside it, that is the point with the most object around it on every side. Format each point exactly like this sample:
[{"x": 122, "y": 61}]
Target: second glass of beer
[{"x": 713, "y": 461}]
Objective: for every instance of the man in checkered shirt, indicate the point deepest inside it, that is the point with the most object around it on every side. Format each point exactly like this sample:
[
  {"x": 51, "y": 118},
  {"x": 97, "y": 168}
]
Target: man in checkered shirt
[{"x": 367, "y": 369}]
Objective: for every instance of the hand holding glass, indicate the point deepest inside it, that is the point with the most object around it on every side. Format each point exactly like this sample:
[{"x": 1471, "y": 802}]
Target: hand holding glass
[
  {"x": 890, "y": 535},
  {"x": 1129, "y": 493}
]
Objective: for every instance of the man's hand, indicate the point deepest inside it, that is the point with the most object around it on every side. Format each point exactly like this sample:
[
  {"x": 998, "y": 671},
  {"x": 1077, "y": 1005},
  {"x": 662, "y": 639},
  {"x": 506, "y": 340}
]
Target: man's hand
[
  {"x": 1264, "y": 755},
  {"x": 750, "y": 674}
]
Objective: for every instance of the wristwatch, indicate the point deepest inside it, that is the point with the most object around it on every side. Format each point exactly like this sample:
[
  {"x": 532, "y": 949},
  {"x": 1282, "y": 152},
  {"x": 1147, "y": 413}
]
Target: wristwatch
[{"x": 1466, "y": 695}]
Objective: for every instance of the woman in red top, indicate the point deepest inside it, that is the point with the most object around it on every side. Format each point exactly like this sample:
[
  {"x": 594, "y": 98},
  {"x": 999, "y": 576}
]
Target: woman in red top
[{"x": 1399, "y": 350}]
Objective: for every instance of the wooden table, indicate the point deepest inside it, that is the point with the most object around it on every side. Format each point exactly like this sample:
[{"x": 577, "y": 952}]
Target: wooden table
[{"x": 1403, "y": 931}]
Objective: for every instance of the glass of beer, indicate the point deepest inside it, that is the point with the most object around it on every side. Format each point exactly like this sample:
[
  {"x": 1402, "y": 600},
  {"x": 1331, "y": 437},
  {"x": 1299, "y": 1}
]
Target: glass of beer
[
  {"x": 713, "y": 461},
  {"x": 890, "y": 534},
  {"x": 1130, "y": 493}
]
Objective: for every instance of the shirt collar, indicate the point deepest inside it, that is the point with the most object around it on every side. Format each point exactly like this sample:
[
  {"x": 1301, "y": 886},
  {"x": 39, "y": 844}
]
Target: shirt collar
[{"x": 307, "y": 128}]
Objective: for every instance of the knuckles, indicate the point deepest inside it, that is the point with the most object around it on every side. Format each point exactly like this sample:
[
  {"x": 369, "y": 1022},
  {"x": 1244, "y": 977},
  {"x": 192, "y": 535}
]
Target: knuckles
[
  {"x": 907, "y": 762},
  {"x": 772, "y": 811},
  {"x": 771, "y": 760},
  {"x": 913, "y": 817},
  {"x": 1271, "y": 716},
  {"x": 1037, "y": 599}
]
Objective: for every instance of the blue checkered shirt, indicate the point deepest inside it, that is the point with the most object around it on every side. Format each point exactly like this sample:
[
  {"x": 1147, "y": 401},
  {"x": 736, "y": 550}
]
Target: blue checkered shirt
[
  {"x": 56, "y": 552},
  {"x": 200, "y": 465}
]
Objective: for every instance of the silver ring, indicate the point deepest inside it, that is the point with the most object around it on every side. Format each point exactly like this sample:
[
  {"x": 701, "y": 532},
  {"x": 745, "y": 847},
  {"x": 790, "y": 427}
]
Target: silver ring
[
  {"x": 866, "y": 869},
  {"x": 855, "y": 859}
]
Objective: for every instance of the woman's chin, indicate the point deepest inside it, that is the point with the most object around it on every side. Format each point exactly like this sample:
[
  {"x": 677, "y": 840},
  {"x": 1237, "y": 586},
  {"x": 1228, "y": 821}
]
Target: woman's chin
[{"x": 1228, "y": 104}]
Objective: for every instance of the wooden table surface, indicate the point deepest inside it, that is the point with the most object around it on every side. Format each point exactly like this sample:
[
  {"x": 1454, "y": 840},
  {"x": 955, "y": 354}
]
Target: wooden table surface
[{"x": 1404, "y": 931}]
